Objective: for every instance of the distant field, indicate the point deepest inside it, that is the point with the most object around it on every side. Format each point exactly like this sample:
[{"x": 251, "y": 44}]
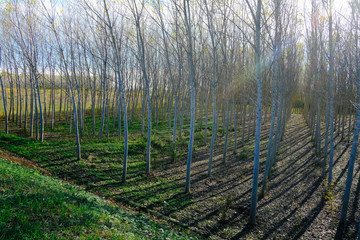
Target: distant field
[
  {"x": 47, "y": 97},
  {"x": 48, "y": 102}
]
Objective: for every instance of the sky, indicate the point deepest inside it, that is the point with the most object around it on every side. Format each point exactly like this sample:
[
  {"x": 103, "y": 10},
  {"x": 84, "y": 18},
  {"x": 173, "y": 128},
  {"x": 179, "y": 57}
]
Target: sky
[{"x": 340, "y": 6}]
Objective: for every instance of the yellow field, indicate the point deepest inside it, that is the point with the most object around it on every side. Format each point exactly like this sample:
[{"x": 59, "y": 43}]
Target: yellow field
[{"x": 48, "y": 95}]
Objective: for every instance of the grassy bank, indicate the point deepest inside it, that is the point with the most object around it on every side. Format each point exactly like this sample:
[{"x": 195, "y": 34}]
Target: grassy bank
[{"x": 34, "y": 206}]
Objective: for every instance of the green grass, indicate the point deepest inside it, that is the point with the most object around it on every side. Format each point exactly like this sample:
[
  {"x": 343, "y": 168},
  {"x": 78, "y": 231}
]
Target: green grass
[
  {"x": 34, "y": 206},
  {"x": 100, "y": 169}
]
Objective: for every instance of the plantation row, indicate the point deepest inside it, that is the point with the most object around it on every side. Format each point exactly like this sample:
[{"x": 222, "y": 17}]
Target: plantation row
[{"x": 169, "y": 75}]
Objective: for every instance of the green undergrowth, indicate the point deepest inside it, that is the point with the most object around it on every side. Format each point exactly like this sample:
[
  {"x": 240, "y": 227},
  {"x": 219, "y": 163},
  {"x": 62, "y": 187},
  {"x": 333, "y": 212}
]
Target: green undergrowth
[
  {"x": 101, "y": 165},
  {"x": 34, "y": 206}
]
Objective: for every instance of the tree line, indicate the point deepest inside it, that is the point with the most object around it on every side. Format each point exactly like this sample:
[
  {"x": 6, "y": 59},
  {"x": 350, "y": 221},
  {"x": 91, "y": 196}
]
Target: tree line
[{"x": 229, "y": 64}]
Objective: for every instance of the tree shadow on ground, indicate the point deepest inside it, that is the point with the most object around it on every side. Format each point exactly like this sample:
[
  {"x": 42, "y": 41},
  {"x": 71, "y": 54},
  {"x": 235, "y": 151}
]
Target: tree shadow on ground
[{"x": 218, "y": 204}]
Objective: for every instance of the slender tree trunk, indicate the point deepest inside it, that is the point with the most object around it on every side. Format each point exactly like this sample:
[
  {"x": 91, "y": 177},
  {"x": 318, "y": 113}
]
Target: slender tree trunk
[
  {"x": 235, "y": 123},
  {"x": 226, "y": 127},
  {"x": 31, "y": 107},
  {"x": 254, "y": 192},
  {"x": 192, "y": 92},
  {"x": 122, "y": 90},
  {"x": 273, "y": 102},
  {"x": 40, "y": 107},
  {"x": 326, "y": 141},
  {"x": 103, "y": 98},
  {"x": 349, "y": 124},
  {"x": 4, "y": 101},
  {"x": 243, "y": 124},
  {"x": 61, "y": 96},
  {"x": 26, "y": 102},
  {"x": 36, "y": 112},
  {"x": 214, "y": 82},
  {"x": 331, "y": 89},
  {"x": 206, "y": 117},
  {"x": 353, "y": 153}
]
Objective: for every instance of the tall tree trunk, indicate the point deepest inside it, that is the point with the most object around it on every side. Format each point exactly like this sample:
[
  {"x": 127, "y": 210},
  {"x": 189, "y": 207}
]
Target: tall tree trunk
[
  {"x": 349, "y": 179},
  {"x": 254, "y": 191},
  {"x": 4, "y": 101},
  {"x": 41, "y": 137},
  {"x": 187, "y": 17},
  {"x": 214, "y": 82},
  {"x": 122, "y": 90},
  {"x": 331, "y": 89},
  {"x": 26, "y": 102},
  {"x": 276, "y": 51}
]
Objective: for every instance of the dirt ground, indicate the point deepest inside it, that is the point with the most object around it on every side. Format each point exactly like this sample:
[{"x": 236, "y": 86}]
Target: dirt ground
[{"x": 297, "y": 204}]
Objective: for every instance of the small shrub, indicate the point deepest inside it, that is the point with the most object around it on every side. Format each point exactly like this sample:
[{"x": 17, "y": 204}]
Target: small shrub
[
  {"x": 225, "y": 206},
  {"x": 329, "y": 196}
]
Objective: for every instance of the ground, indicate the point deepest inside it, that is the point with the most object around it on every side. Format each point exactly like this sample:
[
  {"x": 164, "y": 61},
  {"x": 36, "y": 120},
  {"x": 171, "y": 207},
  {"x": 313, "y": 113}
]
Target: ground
[
  {"x": 297, "y": 205},
  {"x": 34, "y": 206}
]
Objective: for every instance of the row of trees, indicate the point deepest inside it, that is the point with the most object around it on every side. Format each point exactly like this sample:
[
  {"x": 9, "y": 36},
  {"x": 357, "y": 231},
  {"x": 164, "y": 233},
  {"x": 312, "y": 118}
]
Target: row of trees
[
  {"x": 331, "y": 86},
  {"x": 235, "y": 63}
]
